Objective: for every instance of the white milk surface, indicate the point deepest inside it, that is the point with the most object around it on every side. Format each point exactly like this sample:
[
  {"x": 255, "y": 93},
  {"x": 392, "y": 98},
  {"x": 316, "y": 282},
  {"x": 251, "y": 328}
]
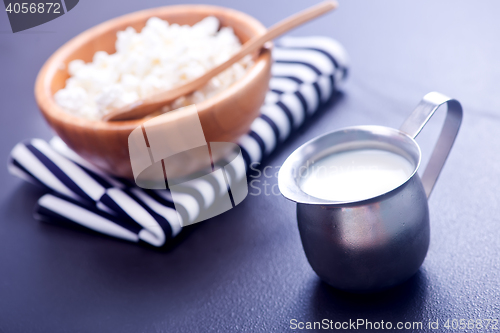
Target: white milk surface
[{"x": 356, "y": 175}]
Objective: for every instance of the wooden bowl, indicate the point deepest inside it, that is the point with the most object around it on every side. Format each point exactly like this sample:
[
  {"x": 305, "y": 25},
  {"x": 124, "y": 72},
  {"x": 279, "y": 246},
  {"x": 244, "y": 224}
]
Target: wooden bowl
[{"x": 225, "y": 117}]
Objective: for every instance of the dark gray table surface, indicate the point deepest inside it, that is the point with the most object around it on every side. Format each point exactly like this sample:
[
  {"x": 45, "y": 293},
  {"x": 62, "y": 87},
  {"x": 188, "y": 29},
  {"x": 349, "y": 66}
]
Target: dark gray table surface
[{"x": 245, "y": 270}]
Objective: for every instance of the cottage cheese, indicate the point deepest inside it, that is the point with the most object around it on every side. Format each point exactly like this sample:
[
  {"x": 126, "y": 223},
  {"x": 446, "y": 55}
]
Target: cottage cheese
[{"x": 158, "y": 58}]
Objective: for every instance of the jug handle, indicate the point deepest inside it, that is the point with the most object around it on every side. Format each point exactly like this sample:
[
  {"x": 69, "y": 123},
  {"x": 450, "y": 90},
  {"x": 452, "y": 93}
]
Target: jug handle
[{"x": 417, "y": 120}]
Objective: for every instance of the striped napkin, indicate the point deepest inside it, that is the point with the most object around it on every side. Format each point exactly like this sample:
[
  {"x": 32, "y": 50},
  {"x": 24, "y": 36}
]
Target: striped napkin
[{"x": 305, "y": 74}]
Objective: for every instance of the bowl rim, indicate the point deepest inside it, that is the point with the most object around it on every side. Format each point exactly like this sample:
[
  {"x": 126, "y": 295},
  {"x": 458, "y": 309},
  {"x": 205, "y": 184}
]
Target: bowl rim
[{"x": 51, "y": 110}]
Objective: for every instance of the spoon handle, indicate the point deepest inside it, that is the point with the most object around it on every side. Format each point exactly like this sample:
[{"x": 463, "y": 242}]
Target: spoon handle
[{"x": 153, "y": 103}]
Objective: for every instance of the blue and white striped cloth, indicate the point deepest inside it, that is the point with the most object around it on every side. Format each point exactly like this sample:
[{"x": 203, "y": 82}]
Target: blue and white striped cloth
[{"x": 305, "y": 74}]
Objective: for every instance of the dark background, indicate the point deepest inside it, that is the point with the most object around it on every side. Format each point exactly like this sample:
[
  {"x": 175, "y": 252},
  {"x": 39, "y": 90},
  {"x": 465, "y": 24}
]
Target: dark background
[{"x": 245, "y": 270}]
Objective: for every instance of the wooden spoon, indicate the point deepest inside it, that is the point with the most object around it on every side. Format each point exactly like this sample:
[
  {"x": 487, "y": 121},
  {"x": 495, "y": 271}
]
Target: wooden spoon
[{"x": 151, "y": 104}]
